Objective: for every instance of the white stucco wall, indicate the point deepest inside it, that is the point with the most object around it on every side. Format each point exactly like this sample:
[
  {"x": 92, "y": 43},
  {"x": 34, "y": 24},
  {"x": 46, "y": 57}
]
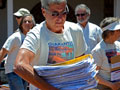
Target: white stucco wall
[
  {"x": 117, "y": 8},
  {"x": 10, "y": 17},
  {"x": 96, "y": 6},
  {"x": 3, "y": 26}
]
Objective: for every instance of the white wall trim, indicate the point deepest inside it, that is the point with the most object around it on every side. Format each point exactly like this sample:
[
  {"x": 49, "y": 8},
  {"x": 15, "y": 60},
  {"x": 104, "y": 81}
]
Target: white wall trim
[
  {"x": 117, "y": 8},
  {"x": 9, "y": 17}
]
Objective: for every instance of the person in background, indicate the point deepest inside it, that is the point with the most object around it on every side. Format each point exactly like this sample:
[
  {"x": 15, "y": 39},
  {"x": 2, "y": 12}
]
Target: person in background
[
  {"x": 92, "y": 32},
  {"x": 53, "y": 38},
  {"x": 103, "y": 53},
  {"x": 11, "y": 48},
  {"x": 20, "y": 13},
  {"x": 18, "y": 16}
]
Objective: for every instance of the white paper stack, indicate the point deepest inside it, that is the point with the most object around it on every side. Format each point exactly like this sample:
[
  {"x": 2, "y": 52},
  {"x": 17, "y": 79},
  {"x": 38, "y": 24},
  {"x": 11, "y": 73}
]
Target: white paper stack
[{"x": 70, "y": 75}]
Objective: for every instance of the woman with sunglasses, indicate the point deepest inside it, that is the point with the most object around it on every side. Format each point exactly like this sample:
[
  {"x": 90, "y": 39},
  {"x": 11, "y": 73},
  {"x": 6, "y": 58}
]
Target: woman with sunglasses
[
  {"x": 20, "y": 13},
  {"x": 11, "y": 47},
  {"x": 92, "y": 32}
]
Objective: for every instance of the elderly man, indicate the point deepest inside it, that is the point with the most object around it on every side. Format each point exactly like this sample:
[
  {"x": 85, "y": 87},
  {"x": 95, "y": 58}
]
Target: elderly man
[
  {"x": 54, "y": 40},
  {"x": 92, "y": 32}
]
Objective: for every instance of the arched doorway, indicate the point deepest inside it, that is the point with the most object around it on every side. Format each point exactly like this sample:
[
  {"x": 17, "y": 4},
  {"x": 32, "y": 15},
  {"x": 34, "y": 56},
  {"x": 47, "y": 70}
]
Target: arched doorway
[
  {"x": 108, "y": 8},
  {"x": 37, "y": 13}
]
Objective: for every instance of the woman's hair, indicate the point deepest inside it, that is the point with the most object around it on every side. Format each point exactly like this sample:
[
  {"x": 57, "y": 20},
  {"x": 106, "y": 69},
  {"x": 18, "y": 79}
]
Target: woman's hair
[
  {"x": 105, "y": 22},
  {"x": 33, "y": 20},
  {"x": 108, "y": 20},
  {"x": 106, "y": 34}
]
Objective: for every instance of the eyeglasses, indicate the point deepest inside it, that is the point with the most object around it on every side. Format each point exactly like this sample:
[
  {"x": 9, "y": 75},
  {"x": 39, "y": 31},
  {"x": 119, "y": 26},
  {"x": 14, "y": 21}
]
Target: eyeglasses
[
  {"x": 55, "y": 13},
  {"x": 27, "y": 21},
  {"x": 18, "y": 17},
  {"x": 82, "y": 14}
]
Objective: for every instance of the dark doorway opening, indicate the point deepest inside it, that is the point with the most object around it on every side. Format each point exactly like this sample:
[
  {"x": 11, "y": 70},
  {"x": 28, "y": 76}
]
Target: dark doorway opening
[{"x": 108, "y": 8}]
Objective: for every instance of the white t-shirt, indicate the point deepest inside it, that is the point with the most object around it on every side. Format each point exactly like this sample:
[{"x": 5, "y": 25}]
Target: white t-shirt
[
  {"x": 92, "y": 34},
  {"x": 102, "y": 54},
  {"x": 50, "y": 47},
  {"x": 12, "y": 44}
]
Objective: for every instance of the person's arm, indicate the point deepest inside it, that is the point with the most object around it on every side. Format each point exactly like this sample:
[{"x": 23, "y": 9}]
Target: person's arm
[
  {"x": 113, "y": 86},
  {"x": 3, "y": 52},
  {"x": 25, "y": 70}
]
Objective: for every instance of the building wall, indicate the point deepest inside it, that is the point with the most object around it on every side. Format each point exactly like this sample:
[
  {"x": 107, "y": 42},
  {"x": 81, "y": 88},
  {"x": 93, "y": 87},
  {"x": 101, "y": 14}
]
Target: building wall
[
  {"x": 117, "y": 8},
  {"x": 96, "y": 6},
  {"x": 3, "y": 26}
]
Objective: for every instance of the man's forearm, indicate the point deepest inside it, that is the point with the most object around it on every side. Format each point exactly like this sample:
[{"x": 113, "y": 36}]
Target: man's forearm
[{"x": 27, "y": 72}]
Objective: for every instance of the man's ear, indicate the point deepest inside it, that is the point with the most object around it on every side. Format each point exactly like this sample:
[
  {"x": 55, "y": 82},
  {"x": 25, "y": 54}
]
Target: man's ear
[{"x": 43, "y": 11}]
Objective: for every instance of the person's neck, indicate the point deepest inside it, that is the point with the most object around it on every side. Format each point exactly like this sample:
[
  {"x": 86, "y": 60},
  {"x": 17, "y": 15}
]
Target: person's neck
[
  {"x": 55, "y": 30},
  {"x": 83, "y": 24},
  {"x": 59, "y": 31},
  {"x": 109, "y": 41},
  {"x": 24, "y": 33}
]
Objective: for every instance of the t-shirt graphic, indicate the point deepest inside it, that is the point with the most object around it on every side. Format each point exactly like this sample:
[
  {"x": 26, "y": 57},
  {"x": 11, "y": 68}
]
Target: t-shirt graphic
[
  {"x": 112, "y": 52},
  {"x": 60, "y": 52},
  {"x": 114, "y": 64}
]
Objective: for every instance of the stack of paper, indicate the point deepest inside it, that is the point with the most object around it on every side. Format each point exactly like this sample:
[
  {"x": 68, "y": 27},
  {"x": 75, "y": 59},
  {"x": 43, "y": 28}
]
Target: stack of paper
[{"x": 76, "y": 74}]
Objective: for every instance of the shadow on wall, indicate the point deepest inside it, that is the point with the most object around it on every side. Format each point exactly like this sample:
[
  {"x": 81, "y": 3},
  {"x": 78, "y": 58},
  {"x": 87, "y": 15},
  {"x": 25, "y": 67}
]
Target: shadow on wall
[
  {"x": 3, "y": 4},
  {"x": 37, "y": 13}
]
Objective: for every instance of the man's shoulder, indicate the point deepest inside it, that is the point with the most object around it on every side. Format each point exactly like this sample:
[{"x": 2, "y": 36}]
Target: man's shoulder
[
  {"x": 40, "y": 25},
  {"x": 94, "y": 28},
  {"x": 117, "y": 43},
  {"x": 68, "y": 23},
  {"x": 72, "y": 25},
  {"x": 37, "y": 28},
  {"x": 100, "y": 46},
  {"x": 15, "y": 35},
  {"x": 93, "y": 25},
  {"x": 13, "y": 39}
]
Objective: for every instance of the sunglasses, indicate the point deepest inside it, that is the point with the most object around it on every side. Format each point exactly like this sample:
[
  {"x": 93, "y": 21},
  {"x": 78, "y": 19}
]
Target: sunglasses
[
  {"x": 18, "y": 17},
  {"x": 27, "y": 21},
  {"x": 82, "y": 14},
  {"x": 55, "y": 13}
]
